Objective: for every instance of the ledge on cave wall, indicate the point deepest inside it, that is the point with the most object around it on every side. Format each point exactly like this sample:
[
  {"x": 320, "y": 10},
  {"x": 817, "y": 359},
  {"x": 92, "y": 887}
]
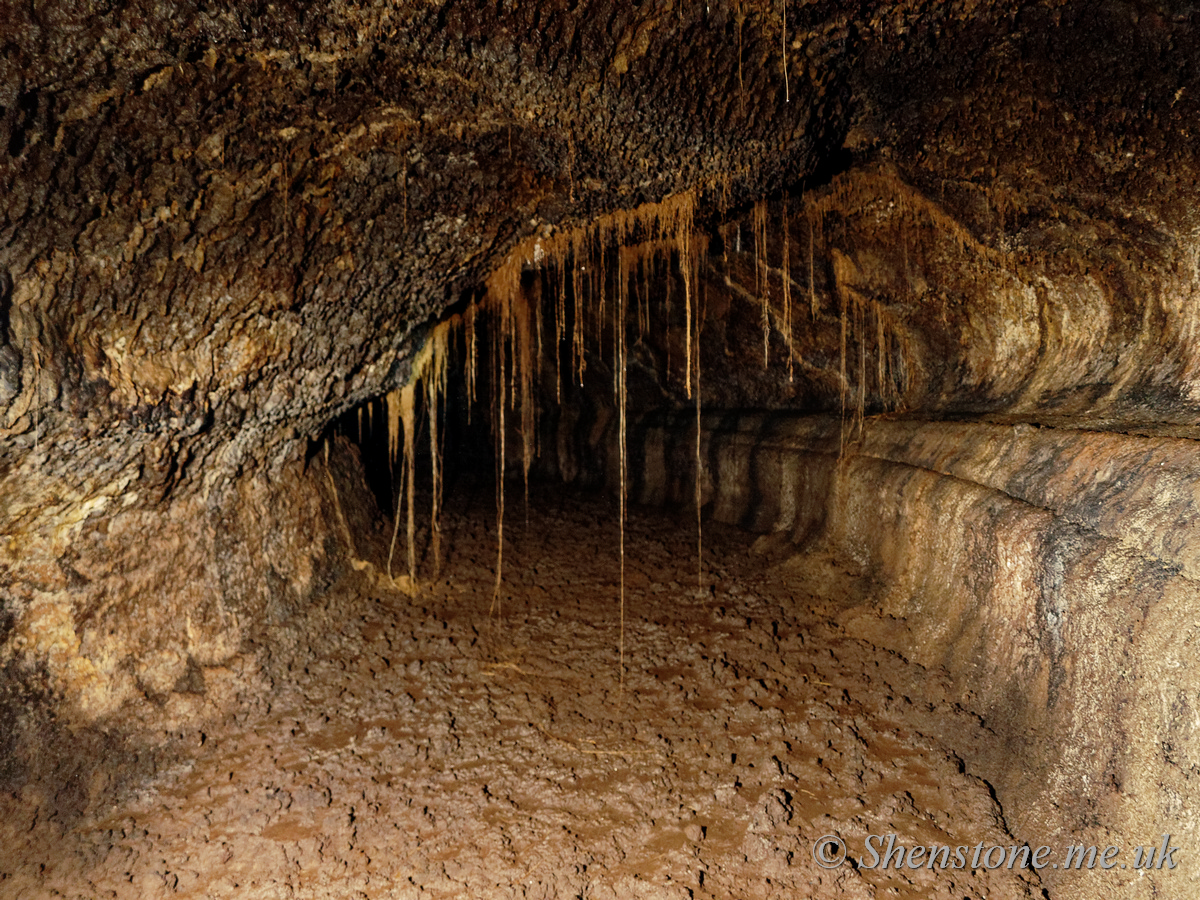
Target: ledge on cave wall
[{"x": 1055, "y": 594}]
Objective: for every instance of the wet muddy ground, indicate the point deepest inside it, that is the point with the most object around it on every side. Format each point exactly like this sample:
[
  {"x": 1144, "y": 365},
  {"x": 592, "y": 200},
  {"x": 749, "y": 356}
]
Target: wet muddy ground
[{"x": 423, "y": 747}]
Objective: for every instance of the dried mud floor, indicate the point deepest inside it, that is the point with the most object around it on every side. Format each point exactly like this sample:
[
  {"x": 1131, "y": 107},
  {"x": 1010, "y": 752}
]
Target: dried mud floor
[{"x": 420, "y": 747}]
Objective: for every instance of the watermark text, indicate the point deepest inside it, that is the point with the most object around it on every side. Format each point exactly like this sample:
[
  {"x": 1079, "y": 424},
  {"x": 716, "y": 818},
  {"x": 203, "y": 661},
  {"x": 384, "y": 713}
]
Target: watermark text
[{"x": 886, "y": 851}]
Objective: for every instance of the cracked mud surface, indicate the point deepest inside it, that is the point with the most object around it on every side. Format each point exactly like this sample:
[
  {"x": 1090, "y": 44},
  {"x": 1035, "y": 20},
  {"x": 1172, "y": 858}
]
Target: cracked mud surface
[{"x": 419, "y": 747}]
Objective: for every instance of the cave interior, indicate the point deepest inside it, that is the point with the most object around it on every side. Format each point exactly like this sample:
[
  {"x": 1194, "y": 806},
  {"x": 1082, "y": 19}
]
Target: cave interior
[{"x": 598, "y": 449}]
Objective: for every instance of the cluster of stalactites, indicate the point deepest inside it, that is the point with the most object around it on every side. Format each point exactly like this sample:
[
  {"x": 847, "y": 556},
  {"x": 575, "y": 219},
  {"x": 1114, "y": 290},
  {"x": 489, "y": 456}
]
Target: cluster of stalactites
[
  {"x": 429, "y": 372},
  {"x": 637, "y": 239},
  {"x": 575, "y": 261}
]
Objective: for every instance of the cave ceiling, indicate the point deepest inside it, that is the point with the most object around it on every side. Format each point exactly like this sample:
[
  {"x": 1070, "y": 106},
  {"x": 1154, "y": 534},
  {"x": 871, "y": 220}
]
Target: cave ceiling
[{"x": 224, "y": 227}]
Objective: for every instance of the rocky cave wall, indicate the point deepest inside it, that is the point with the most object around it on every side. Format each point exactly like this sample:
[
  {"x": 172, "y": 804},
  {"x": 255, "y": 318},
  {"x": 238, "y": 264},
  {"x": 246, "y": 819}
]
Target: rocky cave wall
[{"x": 223, "y": 230}]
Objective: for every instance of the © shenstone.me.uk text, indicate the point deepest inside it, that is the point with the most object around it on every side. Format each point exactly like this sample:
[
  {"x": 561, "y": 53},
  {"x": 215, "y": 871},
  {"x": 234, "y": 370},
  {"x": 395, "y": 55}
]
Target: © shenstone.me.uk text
[{"x": 883, "y": 851}]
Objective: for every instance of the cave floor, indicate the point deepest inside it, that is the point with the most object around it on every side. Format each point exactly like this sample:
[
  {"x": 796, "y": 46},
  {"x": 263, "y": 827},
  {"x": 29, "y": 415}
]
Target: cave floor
[{"x": 425, "y": 747}]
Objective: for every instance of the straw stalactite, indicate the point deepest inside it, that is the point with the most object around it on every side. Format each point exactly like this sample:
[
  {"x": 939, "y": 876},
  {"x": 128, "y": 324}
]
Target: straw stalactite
[
  {"x": 786, "y": 277},
  {"x": 762, "y": 280},
  {"x": 638, "y": 236},
  {"x": 429, "y": 370}
]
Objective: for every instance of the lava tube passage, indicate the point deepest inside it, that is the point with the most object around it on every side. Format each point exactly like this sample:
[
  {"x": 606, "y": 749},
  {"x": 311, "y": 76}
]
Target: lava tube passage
[{"x": 629, "y": 450}]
